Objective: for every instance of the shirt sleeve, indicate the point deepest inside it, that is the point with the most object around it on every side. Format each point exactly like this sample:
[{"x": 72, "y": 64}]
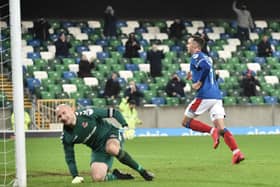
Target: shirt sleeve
[
  {"x": 109, "y": 113},
  {"x": 70, "y": 157}
]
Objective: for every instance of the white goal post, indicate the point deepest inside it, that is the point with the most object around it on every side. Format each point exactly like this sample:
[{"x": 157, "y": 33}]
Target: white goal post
[{"x": 18, "y": 105}]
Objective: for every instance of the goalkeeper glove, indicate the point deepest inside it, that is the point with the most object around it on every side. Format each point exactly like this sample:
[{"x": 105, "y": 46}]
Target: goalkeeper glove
[{"x": 77, "y": 180}]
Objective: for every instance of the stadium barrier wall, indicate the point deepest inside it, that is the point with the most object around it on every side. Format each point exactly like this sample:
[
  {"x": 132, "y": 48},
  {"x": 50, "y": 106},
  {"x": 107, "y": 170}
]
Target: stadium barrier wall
[
  {"x": 236, "y": 116},
  {"x": 162, "y": 117}
]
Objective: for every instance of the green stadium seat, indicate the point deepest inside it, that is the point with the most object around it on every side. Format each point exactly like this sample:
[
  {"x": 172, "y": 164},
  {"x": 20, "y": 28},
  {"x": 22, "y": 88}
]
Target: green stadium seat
[
  {"x": 99, "y": 102},
  {"x": 47, "y": 95},
  {"x": 243, "y": 100},
  {"x": 229, "y": 100},
  {"x": 258, "y": 100}
]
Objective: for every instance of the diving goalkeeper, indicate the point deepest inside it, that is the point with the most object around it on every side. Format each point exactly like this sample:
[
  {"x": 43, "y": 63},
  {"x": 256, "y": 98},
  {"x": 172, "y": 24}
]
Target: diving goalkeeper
[{"x": 88, "y": 127}]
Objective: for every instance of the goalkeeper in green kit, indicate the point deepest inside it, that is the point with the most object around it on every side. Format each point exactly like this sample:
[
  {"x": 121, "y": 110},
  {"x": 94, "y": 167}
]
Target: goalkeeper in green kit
[{"x": 89, "y": 127}]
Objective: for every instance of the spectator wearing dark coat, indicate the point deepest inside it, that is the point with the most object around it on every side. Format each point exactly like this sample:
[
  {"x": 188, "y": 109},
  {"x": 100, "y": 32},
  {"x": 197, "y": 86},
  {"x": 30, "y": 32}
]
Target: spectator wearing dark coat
[
  {"x": 249, "y": 84},
  {"x": 110, "y": 27},
  {"x": 85, "y": 67},
  {"x": 176, "y": 29},
  {"x": 62, "y": 46},
  {"x": 112, "y": 87},
  {"x": 132, "y": 93},
  {"x": 131, "y": 47},
  {"x": 154, "y": 57},
  {"x": 41, "y": 29},
  {"x": 175, "y": 87},
  {"x": 264, "y": 47}
]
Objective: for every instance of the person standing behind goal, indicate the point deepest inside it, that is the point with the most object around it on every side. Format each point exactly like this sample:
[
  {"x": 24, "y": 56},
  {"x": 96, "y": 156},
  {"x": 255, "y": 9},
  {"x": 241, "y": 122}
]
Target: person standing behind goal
[{"x": 208, "y": 98}]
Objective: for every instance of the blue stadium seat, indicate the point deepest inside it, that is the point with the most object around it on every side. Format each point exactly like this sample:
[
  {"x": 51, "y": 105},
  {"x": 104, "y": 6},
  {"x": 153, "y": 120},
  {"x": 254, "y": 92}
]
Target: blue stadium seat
[
  {"x": 143, "y": 55},
  {"x": 158, "y": 101},
  {"x": 84, "y": 102},
  {"x": 187, "y": 23},
  {"x": 68, "y": 75},
  {"x": 144, "y": 42},
  {"x": 140, "y": 30},
  {"x": 87, "y": 30},
  {"x": 53, "y": 37},
  {"x": 66, "y": 24},
  {"x": 274, "y": 42},
  {"x": 253, "y": 47},
  {"x": 224, "y": 36},
  {"x": 142, "y": 86},
  {"x": 102, "y": 55},
  {"x": 121, "y": 49},
  {"x": 260, "y": 60},
  {"x": 121, "y": 23},
  {"x": 122, "y": 81},
  {"x": 32, "y": 83},
  {"x": 131, "y": 67},
  {"x": 276, "y": 54},
  {"x": 102, "y": 42},
  {"x": 33, "y": 55},
  {"x": 34, "y": 43},
  {"x": 81, "y": 48},
  {"x": 181, "y": 74},
  {"x": 270, "y": 99},
  {"x": 176, "y": 48}
]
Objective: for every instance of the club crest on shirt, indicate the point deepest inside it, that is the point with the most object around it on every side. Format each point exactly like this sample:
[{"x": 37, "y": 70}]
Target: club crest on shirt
[
  {"x": 195, "y": 56},
  {"x": 85, "y": 124}
]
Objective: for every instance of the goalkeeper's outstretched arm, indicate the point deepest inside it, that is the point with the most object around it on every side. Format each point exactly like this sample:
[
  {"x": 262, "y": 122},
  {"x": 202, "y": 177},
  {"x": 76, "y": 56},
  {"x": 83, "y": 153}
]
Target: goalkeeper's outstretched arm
[{"x": 70, "y": 159}]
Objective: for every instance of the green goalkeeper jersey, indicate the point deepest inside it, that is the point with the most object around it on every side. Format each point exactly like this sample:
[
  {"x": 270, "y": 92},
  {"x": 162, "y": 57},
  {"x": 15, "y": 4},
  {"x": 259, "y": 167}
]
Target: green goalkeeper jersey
[{"x": 90, "y": 129}]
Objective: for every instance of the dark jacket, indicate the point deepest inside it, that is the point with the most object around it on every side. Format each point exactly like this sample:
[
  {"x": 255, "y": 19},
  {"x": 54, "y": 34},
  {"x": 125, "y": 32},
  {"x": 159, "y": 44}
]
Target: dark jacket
[
  {"x": 174, "y": 85},
  {"x": 85, "y": 69},
  {"x": 176, "y": 30},
  {"x": 41, "y": 29},
  {"x": 249, "y": 86},
  {"x": 134, "y": 96},
  {"x": 154, "y": 58},
  {"x": 112, "y": 88},
  {"x": 131, "y": 50},
  {"x": 62, "y": 48},
  {"x": 264, "y": 49},
  {"x": 110, "y": 28}
]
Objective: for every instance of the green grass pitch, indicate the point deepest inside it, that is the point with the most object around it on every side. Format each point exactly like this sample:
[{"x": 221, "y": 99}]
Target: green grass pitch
[{"x": 175, "y": 161}]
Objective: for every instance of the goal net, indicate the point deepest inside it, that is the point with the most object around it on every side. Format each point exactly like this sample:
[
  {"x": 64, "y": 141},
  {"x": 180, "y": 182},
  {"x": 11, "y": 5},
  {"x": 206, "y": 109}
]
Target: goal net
[
  {"x": 12, "y": 137},
  {"x": 7, "y": 144}
]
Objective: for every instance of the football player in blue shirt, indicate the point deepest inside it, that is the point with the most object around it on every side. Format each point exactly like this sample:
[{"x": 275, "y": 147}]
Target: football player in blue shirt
[{"x": 208, "y": 98}]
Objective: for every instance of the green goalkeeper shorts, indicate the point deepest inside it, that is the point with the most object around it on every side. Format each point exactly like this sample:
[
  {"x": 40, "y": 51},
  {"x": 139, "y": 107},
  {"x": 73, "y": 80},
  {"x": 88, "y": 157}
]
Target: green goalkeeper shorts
[{"x": 100, "y": 154}]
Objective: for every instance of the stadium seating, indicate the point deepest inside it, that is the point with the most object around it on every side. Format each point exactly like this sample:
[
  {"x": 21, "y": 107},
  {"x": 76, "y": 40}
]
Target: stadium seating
[{"x": 231, "y": 59}]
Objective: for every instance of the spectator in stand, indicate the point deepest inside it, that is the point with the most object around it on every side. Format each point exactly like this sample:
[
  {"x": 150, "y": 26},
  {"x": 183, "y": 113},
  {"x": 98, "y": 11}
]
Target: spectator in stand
[
  {"x": 249, "y": 84},
  {"x": 62, "y": 46},
  {"x": 110, "y": 28},
  {"x": 201, "y": 33},
  {"x": 112, "y": 87},
  {"x": 244, "y": 21},
  {"x": 132, "y": 93},
  {"x": 41, "y": 29},
  {"x": 264, "y": 47},
  {"x": 154, "y": 57},
  {"x": 85, "y": 67},
  {"x": 131, "y": 47},
  {"x": 176, "y": 29},
  {"x": 175, "y": 87}
]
